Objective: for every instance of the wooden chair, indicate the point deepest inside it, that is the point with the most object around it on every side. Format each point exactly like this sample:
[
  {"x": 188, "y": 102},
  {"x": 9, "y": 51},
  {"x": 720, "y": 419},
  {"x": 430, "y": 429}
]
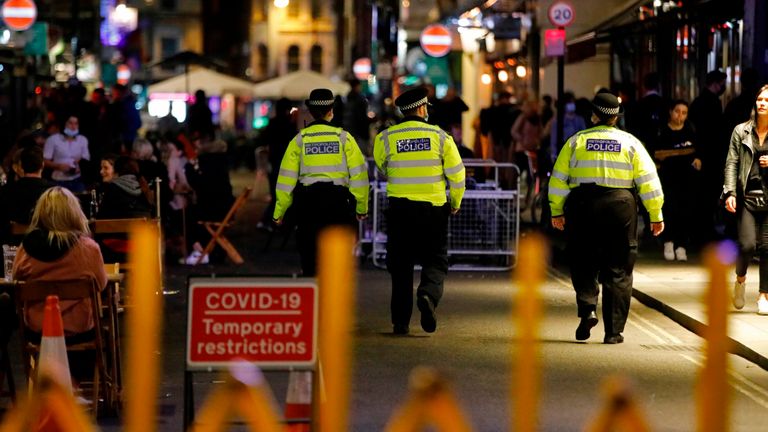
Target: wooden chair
[
  {"x": 216, "y": 229},
  {"x": 18, "y": 229},
  {"x": 6, "y": 374},
  {"x": 6, "y": 371},
  {"x": 37, "y": 291},
  {"x": 101, "y": 227}
]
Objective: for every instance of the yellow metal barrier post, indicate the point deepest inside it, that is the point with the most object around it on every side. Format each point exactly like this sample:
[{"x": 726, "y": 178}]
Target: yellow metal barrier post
[
  {"x": 431, "y": 402},
  {"x": 144, "y": 323},
  {"x": 336, "y": 281},
  {"x": 530, "y": 274},
  {"x": 620, "y": 411},
  {"x": 244, "y": 393},
  {"x": 712, "y": 389},
  {"x": 51, "y": 407}
]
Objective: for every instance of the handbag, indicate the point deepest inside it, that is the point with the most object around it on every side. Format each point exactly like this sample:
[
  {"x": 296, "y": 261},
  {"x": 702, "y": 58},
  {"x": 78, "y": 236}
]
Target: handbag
[{"x": 755, "y": 201}]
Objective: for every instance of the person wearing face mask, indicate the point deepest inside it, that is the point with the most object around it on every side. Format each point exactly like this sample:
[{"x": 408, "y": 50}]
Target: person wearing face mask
[
  {"x": 572, "y": 123},
  {"x": 598, "y": 179},
  {"x": 63, "y": 152},
  {"x": 712, "y": 138},
  {"x": 421, "y": 163}
]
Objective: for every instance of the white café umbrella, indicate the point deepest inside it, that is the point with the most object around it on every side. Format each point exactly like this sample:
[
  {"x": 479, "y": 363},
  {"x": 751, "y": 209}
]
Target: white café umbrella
[
  {"x": 212, "y": 82},
  {"x": 297, "y": 86}
]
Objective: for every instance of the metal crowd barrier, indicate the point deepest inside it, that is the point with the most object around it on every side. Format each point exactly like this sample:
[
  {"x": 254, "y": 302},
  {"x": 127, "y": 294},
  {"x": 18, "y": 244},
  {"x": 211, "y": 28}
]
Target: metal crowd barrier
[{"x": 484, "y": 235}]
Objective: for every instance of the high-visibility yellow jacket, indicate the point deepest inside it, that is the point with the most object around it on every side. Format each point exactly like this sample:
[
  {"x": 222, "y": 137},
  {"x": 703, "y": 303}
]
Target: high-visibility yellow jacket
[
  {"x": 418, "y": 159},
  {"x": 609, "y": 157},
  {"x": 322, "y": 153}
]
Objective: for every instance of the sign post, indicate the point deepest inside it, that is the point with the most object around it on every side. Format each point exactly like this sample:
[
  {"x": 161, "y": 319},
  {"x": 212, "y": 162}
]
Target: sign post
[
  {"x": 561, "y": 15},
  {"x": 269, "y": 322}
]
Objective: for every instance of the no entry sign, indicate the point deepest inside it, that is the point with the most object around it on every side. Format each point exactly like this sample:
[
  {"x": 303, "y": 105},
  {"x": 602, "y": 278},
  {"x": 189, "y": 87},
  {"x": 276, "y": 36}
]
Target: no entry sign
[
  {"x": 19, "y": 14},
  {"x": 269, "y": 322},
  {"x": 436, "y": 40}
]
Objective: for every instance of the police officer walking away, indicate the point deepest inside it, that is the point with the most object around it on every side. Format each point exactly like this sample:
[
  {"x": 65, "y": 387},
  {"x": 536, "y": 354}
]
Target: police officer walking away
[
  {"x": 418, "y": 160},
  {"x": 332, "y": 176},
  {"x": 592, "y": 194}
]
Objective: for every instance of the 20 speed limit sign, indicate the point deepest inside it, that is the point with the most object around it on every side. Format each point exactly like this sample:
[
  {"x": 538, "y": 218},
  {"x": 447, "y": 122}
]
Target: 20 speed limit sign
[{"x": 560, "y": 14}]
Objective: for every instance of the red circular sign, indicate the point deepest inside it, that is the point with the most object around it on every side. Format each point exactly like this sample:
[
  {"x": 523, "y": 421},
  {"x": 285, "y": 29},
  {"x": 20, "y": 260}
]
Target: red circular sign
[
  {"x": 561, "y": 14},
  {"x": 436, "y": 40},
  {"x": 362, "y": 68},
  {"x": 19, "y": 14}
]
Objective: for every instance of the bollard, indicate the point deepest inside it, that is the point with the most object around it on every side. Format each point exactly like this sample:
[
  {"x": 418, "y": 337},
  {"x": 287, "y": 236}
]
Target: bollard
[{"x": 529, "y": 276}]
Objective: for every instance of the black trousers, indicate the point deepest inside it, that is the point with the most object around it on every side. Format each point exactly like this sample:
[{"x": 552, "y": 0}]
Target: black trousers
[
  {"x": 601, "y": 228},
  {"x": 753, "y": 237},
  {"x": 417, "y": 233},
  {"x": 319, "y": 206}
]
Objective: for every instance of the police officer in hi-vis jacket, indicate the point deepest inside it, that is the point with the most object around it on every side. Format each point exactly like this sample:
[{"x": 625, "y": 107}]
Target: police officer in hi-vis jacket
[
  {"x": 326, "y": 172},
  {"x": 592, "y": 194},
  {"x": 418, "y": 160}
]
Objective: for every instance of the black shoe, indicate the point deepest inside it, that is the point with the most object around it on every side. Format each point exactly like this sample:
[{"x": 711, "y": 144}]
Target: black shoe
[
  {"x": 400, "y": 329},
  {"x": 586, "y": 324},
  {"x": 428, "y": 317},
  {"x": 614, "y": 339}
]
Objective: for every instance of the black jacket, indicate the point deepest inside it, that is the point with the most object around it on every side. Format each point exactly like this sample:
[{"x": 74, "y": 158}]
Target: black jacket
[
  {"x": 19, "y": 199},
  {"x": 123, "y": 198}
]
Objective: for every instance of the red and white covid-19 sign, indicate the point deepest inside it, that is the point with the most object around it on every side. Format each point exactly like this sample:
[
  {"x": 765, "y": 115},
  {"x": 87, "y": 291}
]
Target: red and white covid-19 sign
[{"x": 269, "y": 322}]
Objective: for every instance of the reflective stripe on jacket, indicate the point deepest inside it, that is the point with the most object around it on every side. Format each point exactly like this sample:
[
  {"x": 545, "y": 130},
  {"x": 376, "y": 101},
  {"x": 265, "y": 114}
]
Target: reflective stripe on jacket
[
  {"x": 418, "y": 160},
  {"x": 609, "y": 157},
  {"x": 322, "y": 153}
]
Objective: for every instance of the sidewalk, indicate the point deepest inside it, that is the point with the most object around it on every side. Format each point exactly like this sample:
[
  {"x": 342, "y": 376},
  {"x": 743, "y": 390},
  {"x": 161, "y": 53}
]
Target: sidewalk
[{"x": 677, "y": 290}]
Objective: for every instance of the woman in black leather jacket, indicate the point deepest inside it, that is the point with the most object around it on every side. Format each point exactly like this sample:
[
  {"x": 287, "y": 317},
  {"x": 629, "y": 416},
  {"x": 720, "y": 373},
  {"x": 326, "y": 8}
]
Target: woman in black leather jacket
[{"x": 746, "y": 177}]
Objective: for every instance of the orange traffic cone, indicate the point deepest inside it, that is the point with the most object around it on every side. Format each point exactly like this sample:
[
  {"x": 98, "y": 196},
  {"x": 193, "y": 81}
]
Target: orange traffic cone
[
  {"x": 53, "y": 359},
  {"x": 298, "y": 402}
]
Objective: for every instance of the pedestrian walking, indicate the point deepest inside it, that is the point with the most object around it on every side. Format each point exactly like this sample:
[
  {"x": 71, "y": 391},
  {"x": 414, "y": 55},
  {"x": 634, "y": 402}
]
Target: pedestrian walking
[
  {"x": 418, "y": 160},
  {"x": 679, "y": 167},
  {"x": 592, "y": 195},
  {"x": 746, "y": 168},
  {"x": 324, "y": 169}
]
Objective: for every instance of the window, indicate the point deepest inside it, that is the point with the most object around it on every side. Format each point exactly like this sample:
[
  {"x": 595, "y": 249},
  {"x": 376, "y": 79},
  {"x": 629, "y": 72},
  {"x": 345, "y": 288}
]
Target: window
[
  {"x": 168, "y": 4},
  {"x": 263, "y": 54},
  {"x": 168, "y": 47},
  {"x": 317, "y": 9},
  {"x": 261, "y": 9},
  {"x": 294, "y": 6},
  {"x": 316, "y": 58},
  {"x": 293, "y": 58}
]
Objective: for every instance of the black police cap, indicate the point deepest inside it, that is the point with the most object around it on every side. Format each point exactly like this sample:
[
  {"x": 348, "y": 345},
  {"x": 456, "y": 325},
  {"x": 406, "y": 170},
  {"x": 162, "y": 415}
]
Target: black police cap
[
  {"x": 412, "y": 99},
  {"x": 320, "y": 97},
  {"x": 606, "y": 104}
]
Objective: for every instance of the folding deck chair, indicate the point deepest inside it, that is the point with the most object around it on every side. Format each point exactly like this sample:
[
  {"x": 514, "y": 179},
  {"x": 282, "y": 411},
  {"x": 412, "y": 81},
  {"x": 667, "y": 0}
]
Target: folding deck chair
[{"x": 216, "y": 229}]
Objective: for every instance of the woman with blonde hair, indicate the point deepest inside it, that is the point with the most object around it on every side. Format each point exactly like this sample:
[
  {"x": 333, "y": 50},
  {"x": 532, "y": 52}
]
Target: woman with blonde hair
[{"x": 58, "y": 246}]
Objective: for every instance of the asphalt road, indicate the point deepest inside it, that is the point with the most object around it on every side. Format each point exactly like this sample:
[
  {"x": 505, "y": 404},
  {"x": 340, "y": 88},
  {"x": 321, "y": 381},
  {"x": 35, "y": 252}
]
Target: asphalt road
[{"x": 473, "y": 347}]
